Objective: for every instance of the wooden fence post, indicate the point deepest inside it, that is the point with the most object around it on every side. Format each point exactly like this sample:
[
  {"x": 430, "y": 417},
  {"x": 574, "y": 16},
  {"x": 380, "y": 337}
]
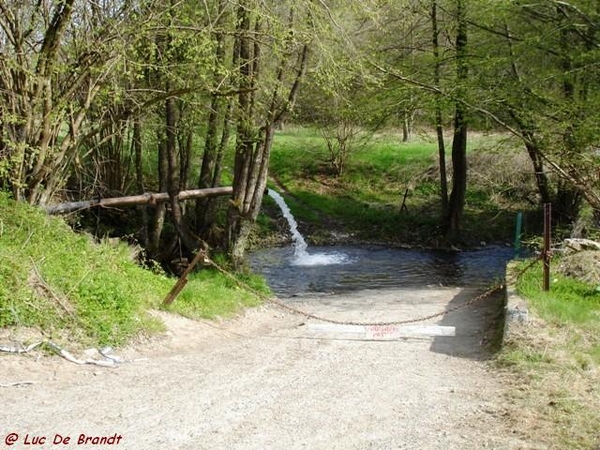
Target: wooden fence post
[{"x": 172, "y": 295}]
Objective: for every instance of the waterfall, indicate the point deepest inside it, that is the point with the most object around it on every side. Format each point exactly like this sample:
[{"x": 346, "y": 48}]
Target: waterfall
[
  {"x": 300, "y": 244},
  {"x": 301, "y": 256}
]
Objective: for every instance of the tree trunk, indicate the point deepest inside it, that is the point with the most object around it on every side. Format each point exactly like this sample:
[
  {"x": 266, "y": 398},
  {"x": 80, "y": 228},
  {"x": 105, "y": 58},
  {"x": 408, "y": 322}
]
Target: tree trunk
[
  {"x": 45, "y": 170},
  {"x": 209, "y": 204},
  {"x": 459, "y": 176},
  {"x": 568, "y": 195},
  {"x": 225, "y": 137},
  {"x": 567, "y": 203},
  {"x": 211, "y": 142},
  {"x": 173, "y": 180},
  {"x": 210, "y": 169},
  {"x": 158, "y": 219},
  {"x": 541, "y": 179},
  {"x": 139, "y": 178},
  {"x": 238, "y": 219},
  {"x": 147, "y": 198},
  {"x": 456, "y": 203},
  {"x": 439, "y": 124},
  {"x": 253, "y": 149},
  {"x": 527, "y": 130},
  {"x": 186, "y": 148},
  {"x": 406, "y": 125}
]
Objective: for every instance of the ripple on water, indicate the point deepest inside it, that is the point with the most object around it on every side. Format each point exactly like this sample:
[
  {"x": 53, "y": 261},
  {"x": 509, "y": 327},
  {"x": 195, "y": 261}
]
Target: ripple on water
[
  {"x": 320, "y": 259},
  {"x": 345, "y": 268}
]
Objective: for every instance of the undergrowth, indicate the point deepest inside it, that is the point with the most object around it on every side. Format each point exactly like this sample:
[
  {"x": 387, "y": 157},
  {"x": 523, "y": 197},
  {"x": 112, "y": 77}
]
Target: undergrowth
[
  {"x": 73, "y": 288},
  {"x": 557, "y": 358}
]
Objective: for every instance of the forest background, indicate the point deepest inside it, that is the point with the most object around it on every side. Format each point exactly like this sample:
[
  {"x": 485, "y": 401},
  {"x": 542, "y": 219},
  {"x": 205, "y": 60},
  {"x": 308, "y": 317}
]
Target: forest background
[{"x": 117, "y": 97}]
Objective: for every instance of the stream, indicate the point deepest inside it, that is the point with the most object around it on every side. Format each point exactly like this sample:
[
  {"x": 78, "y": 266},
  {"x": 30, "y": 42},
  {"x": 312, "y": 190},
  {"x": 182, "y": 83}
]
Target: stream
[
  {"x": 302, "y": 269},
  {"x": 373, "y": 267}
]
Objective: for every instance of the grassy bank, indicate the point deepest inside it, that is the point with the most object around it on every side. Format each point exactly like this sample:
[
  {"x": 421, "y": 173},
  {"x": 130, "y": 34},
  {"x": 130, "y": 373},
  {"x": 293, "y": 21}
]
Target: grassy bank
[
  {"x": 389, "y": 191},
  {"x": 73, "y": 288},
  {"x": 557, "y": 360}
]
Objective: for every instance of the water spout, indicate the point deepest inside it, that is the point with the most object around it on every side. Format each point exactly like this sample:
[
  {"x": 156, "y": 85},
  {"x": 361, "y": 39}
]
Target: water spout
[
  {"x": 300, "y": 244},
  {"x": 301, "y": 255}
]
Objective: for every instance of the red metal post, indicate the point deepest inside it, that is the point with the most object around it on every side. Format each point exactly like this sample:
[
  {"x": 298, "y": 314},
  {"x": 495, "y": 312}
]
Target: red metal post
[{"x": 546, "y": 253}]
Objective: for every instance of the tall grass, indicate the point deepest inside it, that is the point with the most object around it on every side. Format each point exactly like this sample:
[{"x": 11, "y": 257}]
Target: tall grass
[{"x": 569, "y": 301}]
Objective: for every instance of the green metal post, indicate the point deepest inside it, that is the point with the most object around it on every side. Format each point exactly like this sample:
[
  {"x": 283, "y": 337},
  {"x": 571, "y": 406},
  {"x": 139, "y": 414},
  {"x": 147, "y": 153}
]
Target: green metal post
[{"x": 518, "y": 231}]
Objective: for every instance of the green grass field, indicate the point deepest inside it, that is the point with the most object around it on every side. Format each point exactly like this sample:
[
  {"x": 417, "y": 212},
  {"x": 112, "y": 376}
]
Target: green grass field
[{"x": 389, "y": 191}]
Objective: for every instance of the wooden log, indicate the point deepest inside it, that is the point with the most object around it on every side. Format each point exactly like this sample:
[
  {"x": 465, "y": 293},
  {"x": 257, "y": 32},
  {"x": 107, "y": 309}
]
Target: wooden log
[{"x": 143, "y": 199}]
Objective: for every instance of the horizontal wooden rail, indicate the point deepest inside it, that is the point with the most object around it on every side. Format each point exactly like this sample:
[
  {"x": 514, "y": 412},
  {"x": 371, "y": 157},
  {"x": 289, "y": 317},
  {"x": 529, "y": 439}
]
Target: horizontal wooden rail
[{"x": 148, "y": 198}]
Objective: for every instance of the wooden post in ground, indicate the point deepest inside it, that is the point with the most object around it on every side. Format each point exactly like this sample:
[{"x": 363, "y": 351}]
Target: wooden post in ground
[{"x": 172, "y": 295}]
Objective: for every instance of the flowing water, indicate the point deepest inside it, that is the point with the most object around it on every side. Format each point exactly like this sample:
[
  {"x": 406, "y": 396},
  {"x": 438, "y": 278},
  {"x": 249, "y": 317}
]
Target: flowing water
[
  {"x": 301, "y": 256},
  {"x": 302, "y": 269},
  {"x": 369, "y": 267}
]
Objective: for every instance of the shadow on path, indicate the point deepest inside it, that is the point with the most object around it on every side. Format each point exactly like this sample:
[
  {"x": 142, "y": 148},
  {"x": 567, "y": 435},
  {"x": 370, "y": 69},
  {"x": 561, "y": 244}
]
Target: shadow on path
[{"x": 478, "y": 326}]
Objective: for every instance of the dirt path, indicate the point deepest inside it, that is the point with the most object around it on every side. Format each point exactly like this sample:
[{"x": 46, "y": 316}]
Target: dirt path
[{"x": 265, "y": 381}]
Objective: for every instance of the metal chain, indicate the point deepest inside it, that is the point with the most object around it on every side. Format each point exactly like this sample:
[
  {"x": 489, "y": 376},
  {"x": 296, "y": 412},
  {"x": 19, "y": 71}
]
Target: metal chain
[
  {"x": 394, "y": 322},
  {"x": 308, "y": 315}
]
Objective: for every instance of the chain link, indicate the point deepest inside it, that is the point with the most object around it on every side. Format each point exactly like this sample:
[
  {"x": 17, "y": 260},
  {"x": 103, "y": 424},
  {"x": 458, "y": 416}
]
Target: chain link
[
  {"x": 308, "y": 315},
  {"x": 394, "y": 322}
]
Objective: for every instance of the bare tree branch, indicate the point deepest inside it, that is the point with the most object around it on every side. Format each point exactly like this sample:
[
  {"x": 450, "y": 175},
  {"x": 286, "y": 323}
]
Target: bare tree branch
[{"x": 437, "y": 90}]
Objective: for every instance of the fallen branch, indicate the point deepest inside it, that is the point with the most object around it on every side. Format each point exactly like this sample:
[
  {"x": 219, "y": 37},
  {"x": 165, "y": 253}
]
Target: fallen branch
[
  {"x": 16, "y": 383},
  {"x": 178, "y": 287},
  {"x": 7, "y": 349},
  {"x": 69, "y": 357},
  {"x": 109, "y": 361},
  {"x": 41, "y": 283},
  {"x": 132, "y": 200}
]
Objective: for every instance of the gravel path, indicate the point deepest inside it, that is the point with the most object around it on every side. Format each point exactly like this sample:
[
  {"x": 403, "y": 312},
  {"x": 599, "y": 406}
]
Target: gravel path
[{"x": 266, "y": 381}]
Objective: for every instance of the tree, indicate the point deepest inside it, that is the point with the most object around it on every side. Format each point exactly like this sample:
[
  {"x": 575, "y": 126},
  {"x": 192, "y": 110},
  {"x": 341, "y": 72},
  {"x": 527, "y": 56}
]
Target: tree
[
  {"x": 420, "y": 60},
  {"x": 342, "y": 109},
  {"x": 544, "y": 75},
  {"x": 456, "y": 203},
  {"x": 253, "y": 143},
  {"x": 531, "y": 71},
  {"x": 439, "y": 122},
  {"x": 219, "y": 116},
  {"x": 57, "y": 57}
]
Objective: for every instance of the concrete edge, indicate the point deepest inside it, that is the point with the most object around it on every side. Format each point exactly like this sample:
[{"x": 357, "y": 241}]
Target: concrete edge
[{"x": 516, "y": 309}]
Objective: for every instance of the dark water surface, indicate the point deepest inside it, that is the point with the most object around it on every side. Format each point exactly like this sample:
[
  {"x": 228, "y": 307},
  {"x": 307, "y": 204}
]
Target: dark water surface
[{"x": 369, "y": 267}]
